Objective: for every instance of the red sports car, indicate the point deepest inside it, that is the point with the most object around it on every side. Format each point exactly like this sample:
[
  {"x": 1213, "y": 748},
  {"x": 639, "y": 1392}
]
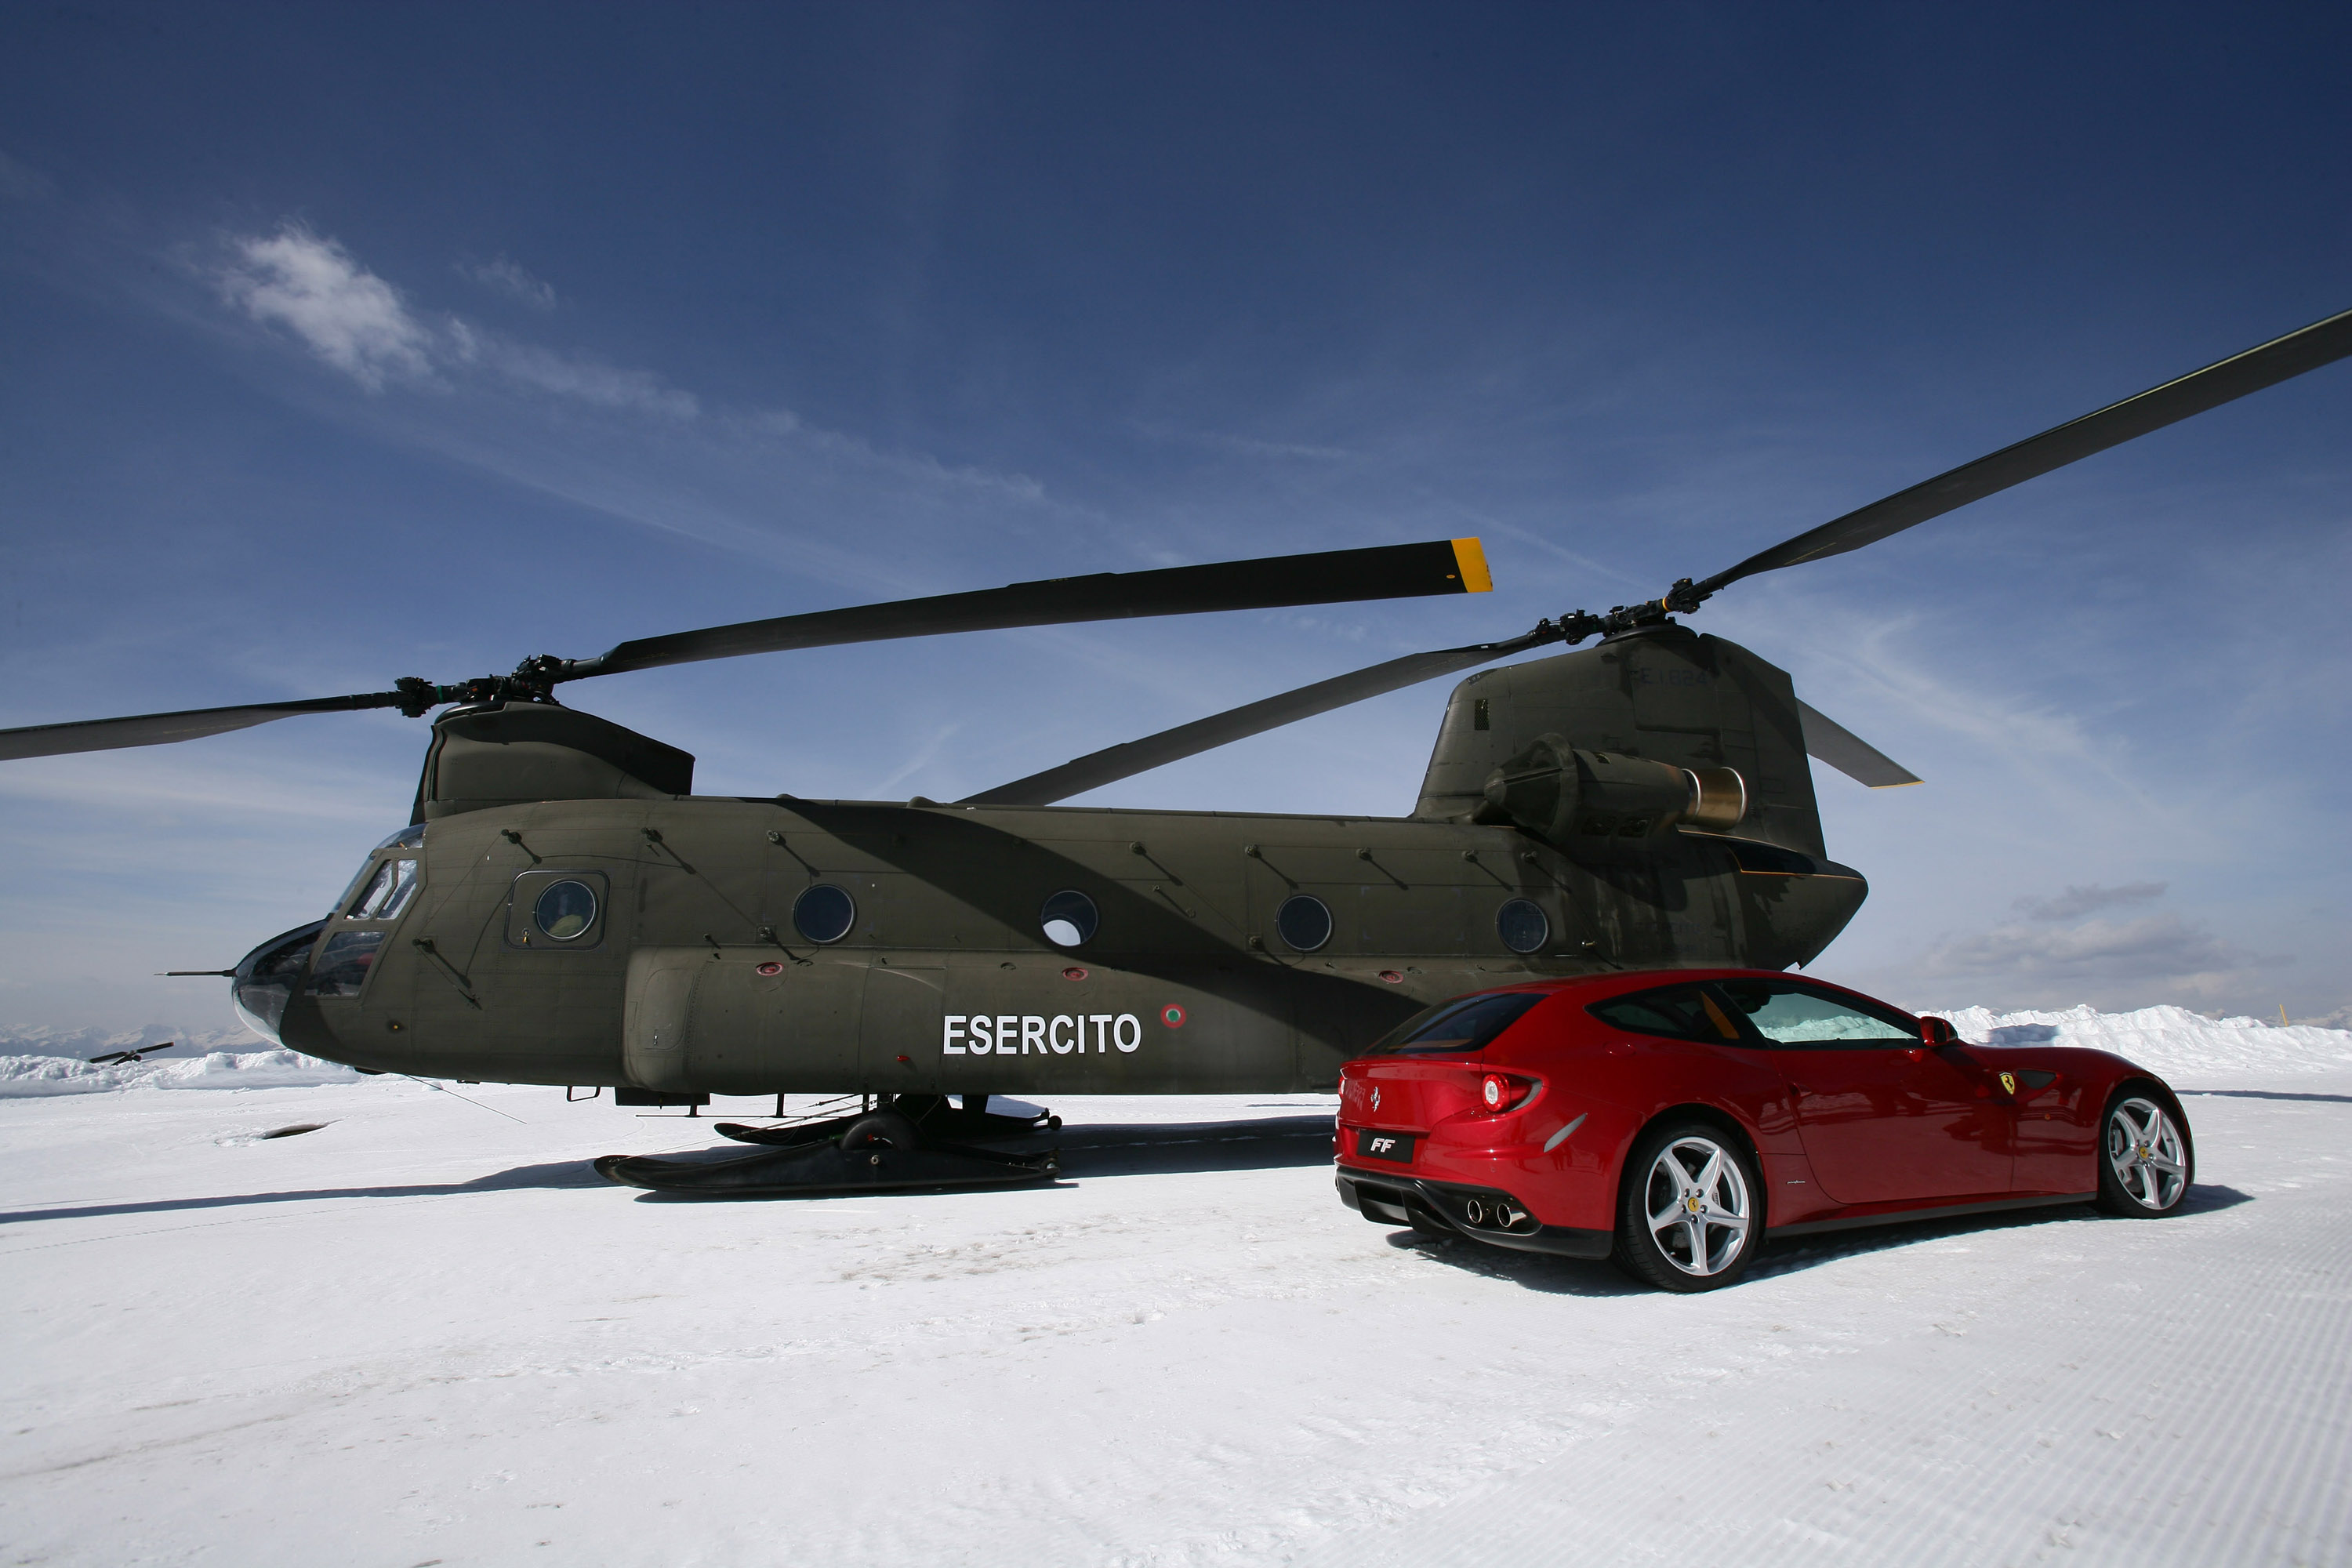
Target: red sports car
[{"x": 1672, "y": 1120}]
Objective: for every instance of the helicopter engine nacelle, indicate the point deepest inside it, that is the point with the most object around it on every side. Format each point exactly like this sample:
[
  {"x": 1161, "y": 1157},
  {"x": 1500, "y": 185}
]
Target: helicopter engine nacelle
[
  {"x": 1560, "y": 793},
  {"x": 514, "y": 754}
]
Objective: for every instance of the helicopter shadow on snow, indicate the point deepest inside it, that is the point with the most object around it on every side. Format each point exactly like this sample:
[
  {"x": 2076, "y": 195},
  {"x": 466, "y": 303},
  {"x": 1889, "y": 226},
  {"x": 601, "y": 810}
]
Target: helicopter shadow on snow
[
  {"x": 554, "y": 1173},
  {"x": 1575, "y": 1277},
  {"x": 1091, "y": 1153},
  {"x": 1087, "y": 1153}
]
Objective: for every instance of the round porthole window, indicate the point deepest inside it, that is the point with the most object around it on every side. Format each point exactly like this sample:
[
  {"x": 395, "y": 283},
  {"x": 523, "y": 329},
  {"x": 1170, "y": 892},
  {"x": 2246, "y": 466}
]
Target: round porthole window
[
  {"x": 1069, "y": 918},
  {"x": 565, "y": 910},
  {"x": 824, "y": 914},
  {"x": 1303, "y": 921},
  {"x": 1523, "y": 926}
]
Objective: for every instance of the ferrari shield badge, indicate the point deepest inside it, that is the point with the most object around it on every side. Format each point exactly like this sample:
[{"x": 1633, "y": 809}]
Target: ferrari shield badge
[{"x": 2009, "y": 1083}]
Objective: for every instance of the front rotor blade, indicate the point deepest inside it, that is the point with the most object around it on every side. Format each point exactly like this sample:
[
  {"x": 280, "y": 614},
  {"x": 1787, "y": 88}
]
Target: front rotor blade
[
  {"x": 1115, "y": 762},
  {"x": 2233, "y": 378},
  {"x": 1830, "y": 741},
  {"x": 1382, "y": 572},
  {"x": 161, "y": 728}
]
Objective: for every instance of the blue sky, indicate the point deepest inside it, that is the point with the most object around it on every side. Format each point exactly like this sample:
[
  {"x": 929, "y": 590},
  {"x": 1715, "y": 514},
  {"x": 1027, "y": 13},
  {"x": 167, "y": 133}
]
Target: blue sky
[{"x": 345, "y": 344}]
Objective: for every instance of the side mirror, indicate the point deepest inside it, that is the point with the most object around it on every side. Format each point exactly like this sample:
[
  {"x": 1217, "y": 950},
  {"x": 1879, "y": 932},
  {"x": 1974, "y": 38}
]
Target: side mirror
[{"x": 1939, "y": 1032}]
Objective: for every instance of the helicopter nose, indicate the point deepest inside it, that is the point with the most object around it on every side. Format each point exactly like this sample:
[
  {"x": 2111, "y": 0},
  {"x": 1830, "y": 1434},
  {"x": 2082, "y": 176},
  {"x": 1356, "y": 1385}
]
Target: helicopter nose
[{"x": 266, "y": 978}]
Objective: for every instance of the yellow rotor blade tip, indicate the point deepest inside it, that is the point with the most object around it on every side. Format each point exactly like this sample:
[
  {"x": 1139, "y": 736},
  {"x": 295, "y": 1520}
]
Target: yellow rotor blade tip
[{"x": 1471, "y": 560}]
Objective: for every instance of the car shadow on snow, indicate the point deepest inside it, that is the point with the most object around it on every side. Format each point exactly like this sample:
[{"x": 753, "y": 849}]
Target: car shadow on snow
[
  {"x": 1186, "y": 1148},
  {"x": 2264, "y": 1094},
  {"x": 1573, "y": 1276},
  {"x": 558, "y": 1174},
  {"x": 1795, "y": 1253},
  {"x": 1535, "y": 1270}
]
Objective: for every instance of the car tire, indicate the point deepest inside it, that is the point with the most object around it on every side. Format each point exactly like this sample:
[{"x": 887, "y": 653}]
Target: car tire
[
  {"x": 1685, "y": 1179},
  {"x": 2146, "y": 1158}
]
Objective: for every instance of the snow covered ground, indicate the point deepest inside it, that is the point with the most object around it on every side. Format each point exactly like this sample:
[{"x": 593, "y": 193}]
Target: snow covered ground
[{"x": 425, "y": 1332}]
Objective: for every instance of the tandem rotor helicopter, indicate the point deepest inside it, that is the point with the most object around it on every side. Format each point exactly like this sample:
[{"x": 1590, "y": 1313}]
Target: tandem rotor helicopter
[{"x": 561, "y": 909}]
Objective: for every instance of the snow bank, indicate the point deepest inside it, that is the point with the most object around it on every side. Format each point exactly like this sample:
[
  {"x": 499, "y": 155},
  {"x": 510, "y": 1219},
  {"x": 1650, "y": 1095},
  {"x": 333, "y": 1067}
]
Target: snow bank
[
  {"x": 25, "y": 1077},
  {"x": 50, "y": 1040},
  {"x": 2168, "y": 1040}
]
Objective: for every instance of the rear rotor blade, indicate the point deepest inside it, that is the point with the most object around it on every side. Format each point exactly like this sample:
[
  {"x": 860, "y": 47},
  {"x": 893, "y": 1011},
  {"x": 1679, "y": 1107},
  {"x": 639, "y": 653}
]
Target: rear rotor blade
[
  {"x": 160, "y": 728},
  {"x": 1115, "y": 762},
  {"x": 1830, "y": 741},
  {"x": 2233, "y": 378},
  {"x": 1382, "y": 572}
]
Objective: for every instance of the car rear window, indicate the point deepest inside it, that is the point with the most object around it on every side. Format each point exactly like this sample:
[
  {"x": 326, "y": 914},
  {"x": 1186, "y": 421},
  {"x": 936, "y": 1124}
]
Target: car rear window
[
  {"x": 1684, "y": 1012},
  {"x": 1467, "y": 1025}
]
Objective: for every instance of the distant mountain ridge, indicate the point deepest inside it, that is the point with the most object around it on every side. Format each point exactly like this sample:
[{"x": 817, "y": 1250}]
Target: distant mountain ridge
[{"x": 51, "y": 1040}]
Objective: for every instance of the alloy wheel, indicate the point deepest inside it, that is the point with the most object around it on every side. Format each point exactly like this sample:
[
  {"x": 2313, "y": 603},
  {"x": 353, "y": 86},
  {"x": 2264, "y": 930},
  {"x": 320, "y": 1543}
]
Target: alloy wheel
[
  {"x": 2147, "y": 1153},
  {"x": 1697, "y": 1202}
]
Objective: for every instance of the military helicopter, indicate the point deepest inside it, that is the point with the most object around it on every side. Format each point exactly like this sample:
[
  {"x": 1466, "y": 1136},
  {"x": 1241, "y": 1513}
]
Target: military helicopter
[{"x": 561, "y": 909}]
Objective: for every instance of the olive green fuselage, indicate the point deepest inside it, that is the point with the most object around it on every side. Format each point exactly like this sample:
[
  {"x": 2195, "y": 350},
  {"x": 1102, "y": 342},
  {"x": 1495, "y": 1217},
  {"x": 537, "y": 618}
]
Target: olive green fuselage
[{"x": 691, "y": 978}]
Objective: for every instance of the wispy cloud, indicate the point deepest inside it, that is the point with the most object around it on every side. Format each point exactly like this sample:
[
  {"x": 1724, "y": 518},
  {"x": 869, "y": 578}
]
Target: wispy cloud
[
  {"x": 1247, "y": 446},
  {"x": 356, "y": 321},
  {"x": 347, "y": 315},
  {"x": 2076, "y": 902},
  {"x": 511, "y": 278},
  {"x": 2039, "y": 960},
  {"x": 579, "y": 377},
  {"x": 784, "y": 423},
  {"x": 925, "y": 759},
  {"x": 227, "y": 791},
  {"x": 2162, "y": 946}
]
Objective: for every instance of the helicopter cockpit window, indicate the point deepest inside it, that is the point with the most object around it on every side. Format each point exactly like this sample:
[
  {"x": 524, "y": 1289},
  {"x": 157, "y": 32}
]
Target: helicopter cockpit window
[
  {"x": 386, "y": 894},
  {"x": 342, "y": 965},
  {"x": 824, "y": 914},
  {"x": 1522, "y": 925},
  {"x": 1304, "y": 921},
  {"x": 409, "y": 837},
  {"x": 1069, "y": 918},
  {"x": 266, "y": 978},
  {"x": 565, "y": 910}
]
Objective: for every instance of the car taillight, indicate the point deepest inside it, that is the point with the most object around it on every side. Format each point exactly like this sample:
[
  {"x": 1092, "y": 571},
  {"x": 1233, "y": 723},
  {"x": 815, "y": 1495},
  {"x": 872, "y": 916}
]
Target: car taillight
[{"x": 1500, "y": 1092}]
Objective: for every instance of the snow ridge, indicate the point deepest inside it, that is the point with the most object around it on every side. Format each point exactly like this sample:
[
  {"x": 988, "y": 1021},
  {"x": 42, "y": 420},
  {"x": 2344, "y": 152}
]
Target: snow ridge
[
  {"x": 27, "y": 1077},
  {"x": 48, "y": 1040},
  {"x": 2168, "y": 1040}
]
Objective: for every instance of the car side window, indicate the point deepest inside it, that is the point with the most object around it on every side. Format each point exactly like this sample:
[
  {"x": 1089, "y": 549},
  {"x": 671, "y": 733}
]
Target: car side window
[
  {"x": 1685, "y": 1012},
  {"x": 1791, "y": 1014}
]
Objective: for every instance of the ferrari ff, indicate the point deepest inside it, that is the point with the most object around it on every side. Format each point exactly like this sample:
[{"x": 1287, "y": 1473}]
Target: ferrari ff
[{"x": 1672, "y": 1122}]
